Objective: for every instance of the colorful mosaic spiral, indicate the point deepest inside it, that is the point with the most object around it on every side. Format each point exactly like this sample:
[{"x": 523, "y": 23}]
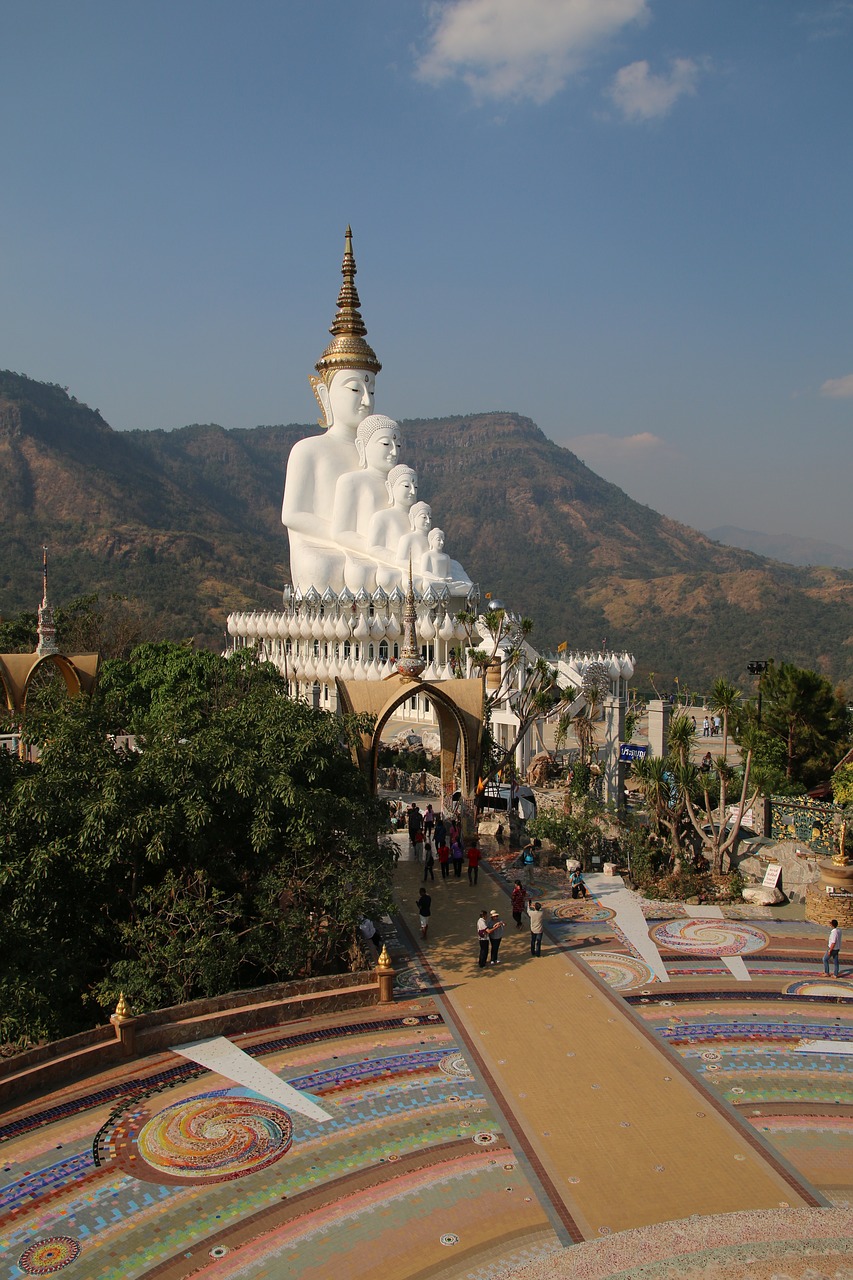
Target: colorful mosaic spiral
[
  {"x": 821, "y": 987},
  {"x": 709, "y": 937},
  {"x": 455, "y": 1065},
  {"x": 619, "y": 971},
  {"x": 583, "y": 912},
  {"x": 209, "y": 1138},
  {"x": 47, "y": 1256}
]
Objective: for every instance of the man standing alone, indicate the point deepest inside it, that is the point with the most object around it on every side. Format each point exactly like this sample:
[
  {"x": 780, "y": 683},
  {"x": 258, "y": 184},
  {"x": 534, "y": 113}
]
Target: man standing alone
[
  {"x": 535, "y": 914},
  {"x": 473, "y": 862},
  {"x": 833, "y": 948}
]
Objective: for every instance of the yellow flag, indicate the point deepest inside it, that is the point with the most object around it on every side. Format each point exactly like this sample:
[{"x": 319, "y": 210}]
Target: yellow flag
[{"x": 561, "y": 648}]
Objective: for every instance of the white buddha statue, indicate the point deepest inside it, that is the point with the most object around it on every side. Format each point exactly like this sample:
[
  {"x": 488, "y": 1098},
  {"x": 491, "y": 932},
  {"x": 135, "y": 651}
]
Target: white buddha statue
[
  {"x": 415, "y": 543},
  {"x": 358, "y": 494},
  {"x": 387, "y": 526},
  {"x": 344, "y": 388},
  {"x": 436, "y": 562}
]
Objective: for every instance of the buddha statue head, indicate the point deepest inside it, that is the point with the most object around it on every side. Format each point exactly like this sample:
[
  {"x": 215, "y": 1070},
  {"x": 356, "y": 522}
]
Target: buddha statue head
[
  {"x": 435, "y": 539},
  {"x": 420, "y": 517},
  {"x": 345, "y": 383},
  {"x": 377, "y": 443},
  {"x": 402, "y": 486}
]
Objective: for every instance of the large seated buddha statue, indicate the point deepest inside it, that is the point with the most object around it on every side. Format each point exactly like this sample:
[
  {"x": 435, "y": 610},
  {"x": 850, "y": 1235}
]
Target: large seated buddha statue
[
  {"x": 344, "y": 386},
  {"x": 348, "y": 500}
]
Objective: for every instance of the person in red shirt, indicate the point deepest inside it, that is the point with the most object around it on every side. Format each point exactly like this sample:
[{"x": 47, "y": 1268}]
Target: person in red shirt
[
  {"x": 443, "y": 852},
  {"x": 473, "y": 862},
  {"x": 518, "y": 899}
]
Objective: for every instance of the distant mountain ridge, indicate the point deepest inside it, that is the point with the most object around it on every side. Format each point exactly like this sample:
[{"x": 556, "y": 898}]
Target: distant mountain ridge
[
  {"x": 785, "y": 547},
  {"x": 189, "y": 521}
]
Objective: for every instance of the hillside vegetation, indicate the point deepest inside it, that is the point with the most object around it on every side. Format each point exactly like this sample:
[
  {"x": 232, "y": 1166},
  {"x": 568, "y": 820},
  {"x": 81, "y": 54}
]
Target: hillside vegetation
[{"x": 189, "y": 522}]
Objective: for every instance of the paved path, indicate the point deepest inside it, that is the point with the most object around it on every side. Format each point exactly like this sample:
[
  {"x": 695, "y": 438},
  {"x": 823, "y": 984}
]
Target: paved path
[{"x": 618, "y": 1132}]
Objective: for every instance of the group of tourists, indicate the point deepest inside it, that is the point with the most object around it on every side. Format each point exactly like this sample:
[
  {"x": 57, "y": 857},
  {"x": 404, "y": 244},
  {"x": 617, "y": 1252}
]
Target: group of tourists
[
  {"x": 490, "y": 926},
  {"x": 432, "y": 839}
]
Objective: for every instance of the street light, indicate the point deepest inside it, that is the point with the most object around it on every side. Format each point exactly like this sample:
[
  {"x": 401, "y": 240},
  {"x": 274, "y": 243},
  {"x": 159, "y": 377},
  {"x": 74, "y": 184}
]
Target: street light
[{"x": 758, "y": 669}]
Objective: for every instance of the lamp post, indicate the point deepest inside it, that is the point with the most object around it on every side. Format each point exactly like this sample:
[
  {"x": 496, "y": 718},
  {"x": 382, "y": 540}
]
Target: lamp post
[{"x": 758, "y": 669}]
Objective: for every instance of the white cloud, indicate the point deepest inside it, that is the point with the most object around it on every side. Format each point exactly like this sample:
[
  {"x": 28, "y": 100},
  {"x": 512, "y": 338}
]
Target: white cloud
[
  {"x": 515, "y": 49},
  {"x": 641, "y": 95},
  {"x": 838, "y": 388},
  {"x": 600, "y": 448}
]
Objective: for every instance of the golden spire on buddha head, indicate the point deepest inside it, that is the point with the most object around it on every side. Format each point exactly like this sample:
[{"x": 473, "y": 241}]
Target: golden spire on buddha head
[{"x": 348, "y": 349}]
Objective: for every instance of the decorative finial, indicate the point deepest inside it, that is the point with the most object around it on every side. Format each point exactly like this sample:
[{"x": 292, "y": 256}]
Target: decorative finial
[
  {"x": 410, "y": 663},
  {"x": 47, "y": 626},
  {"x": 384, "y": 961},
  {"x": 348, "y": 349},
  {"x": 122, "y": 1009}
]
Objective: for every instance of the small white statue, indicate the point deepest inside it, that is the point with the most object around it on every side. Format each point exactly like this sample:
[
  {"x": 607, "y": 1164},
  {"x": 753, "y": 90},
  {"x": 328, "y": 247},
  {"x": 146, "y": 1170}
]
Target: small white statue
[
  {"x": 388, "y": 526},
  {"x": 415, "y": 543},
  {"x": 358, "y": 494},
  {"x": 436, "y": 562}
]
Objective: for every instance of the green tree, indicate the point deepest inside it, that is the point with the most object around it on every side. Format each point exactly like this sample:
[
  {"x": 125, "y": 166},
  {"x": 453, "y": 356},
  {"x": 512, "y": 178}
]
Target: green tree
[
  {"x": 725, "y": 700},
  {"x": 812, "y": 721},
  {"x": 236, "y": 844}
]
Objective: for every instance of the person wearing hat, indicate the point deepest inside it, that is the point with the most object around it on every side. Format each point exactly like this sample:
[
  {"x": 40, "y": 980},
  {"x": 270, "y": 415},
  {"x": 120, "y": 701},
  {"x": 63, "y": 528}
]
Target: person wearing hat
[{"x": 496, "y": 932}]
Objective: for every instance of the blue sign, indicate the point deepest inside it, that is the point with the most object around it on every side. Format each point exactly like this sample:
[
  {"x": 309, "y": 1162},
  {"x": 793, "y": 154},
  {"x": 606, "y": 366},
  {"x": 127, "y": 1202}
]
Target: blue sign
[{"x": 629, "y": 751}]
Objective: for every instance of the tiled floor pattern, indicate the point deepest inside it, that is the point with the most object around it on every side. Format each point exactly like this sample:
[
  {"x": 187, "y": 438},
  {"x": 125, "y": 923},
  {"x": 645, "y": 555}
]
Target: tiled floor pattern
[
  {"x": 164, "y": 1169},
  {"x": 196, "y": 1176}
]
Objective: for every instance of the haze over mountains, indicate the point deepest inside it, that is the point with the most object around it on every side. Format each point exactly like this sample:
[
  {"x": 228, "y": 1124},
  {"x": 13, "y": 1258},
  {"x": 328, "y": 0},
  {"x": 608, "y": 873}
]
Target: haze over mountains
[
  {"x": 189, "y": 521},
  {"x": 782, "y": 546}
]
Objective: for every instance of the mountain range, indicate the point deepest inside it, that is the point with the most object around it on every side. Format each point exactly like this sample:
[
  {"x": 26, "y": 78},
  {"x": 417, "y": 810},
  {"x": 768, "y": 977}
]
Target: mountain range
[
  {"x": 786, "y": 547},
  {"x": 188, "y": 521}
]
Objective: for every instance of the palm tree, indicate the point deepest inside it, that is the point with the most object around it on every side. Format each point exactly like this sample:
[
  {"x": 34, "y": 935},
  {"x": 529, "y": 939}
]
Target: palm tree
[{"x": 725, "y": 699}]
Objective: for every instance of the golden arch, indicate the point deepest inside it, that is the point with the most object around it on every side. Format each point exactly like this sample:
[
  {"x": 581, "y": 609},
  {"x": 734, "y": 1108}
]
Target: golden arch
[
  {"x": 459, "y": 710},
  {"x": 17, "y": 670}
]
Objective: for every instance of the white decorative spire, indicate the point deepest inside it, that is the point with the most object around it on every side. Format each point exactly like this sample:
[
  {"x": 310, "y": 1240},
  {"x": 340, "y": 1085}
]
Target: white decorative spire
[{"x": 47, "y": 626}]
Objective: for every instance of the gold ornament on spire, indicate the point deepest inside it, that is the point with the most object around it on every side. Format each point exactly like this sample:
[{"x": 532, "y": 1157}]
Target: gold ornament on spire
[
  {"x": 410, "y": 662},
  {"x": 384, "y": 961},
  {"x": 122, "y": 1009},
  {"x": 348, "y": 349}
]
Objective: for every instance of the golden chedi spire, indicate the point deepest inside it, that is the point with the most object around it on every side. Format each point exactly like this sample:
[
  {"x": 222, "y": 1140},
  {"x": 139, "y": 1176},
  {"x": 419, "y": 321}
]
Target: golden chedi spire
[{"x": 348, "y": 348}]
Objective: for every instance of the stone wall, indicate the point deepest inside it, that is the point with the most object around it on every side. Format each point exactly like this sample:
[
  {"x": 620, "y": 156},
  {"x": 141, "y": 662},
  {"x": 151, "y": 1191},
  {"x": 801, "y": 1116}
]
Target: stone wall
[
  {"x": 409, "y": 784},
  {"x": 800, "y": 867},
  {"x": 821, "y": 907}
]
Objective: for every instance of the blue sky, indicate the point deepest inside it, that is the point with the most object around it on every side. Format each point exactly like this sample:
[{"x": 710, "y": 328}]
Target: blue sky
[{"x": 627, "y": 219}]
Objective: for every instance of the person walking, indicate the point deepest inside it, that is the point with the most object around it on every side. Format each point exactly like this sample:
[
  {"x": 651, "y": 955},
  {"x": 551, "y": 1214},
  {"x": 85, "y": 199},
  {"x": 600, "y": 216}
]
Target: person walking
[
  {"x": 483, "y": 938},
  {"x": 496, "y": 932},
  {"x": 706, "y": 728},
  {"x": 518, "y": 897},
  {"x": 429, "y": 862},
  {"x": 833, "y": 949},
  {"x": 443, "y": 852},
  {"x": 424, "y": 906},
  {"x": 528, "y": 861},
  {"x": 440, "y": 831},
  {"x": 370, "y": 933},
  {"x": 429, "y": 822},
  {"x": 535, "y": 915},
  {"x": 415, "y": 824},
  {"x": 457, "y": 854},
  {"x": 473, "y": 862}
]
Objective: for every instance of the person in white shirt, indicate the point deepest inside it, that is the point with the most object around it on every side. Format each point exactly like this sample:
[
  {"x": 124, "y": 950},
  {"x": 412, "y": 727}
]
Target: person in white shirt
[
  {"x": 535, "y": 914},
  {"x": 833, "y": 949}
]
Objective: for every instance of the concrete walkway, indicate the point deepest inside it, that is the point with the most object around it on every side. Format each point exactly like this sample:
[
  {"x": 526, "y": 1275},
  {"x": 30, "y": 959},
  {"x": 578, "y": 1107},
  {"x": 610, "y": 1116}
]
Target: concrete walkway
[{"x": 618, "y": 1132}]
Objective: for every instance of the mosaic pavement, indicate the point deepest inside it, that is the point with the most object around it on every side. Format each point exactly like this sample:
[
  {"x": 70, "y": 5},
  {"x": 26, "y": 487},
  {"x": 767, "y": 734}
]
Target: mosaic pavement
[{"x": 446, "y": 1111}]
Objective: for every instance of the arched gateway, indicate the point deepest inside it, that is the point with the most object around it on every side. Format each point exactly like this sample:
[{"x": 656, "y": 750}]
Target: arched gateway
[{"x": 458, "y": 708}]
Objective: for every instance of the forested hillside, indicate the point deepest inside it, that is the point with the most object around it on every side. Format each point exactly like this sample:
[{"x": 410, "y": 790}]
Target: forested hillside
[{"x": 189, "y": 521}]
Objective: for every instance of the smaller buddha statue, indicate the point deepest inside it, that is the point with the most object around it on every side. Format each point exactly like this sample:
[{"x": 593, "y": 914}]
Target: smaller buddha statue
[
  {"x": 436, "y": 562},
  {"x": 388, "y": 526},
  {"x": 359, "y": 494},
  {"x": 414, "y": 545}
]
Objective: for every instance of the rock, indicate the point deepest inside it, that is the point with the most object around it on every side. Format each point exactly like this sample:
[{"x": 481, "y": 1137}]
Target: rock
[
  {"x": 763, "y": 896},
  {"x": 572, "y": 864}
]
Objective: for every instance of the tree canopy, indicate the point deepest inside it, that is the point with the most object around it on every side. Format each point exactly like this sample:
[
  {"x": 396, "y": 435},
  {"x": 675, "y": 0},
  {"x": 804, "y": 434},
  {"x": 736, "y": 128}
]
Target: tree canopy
[{"x": 231, "y": 842}]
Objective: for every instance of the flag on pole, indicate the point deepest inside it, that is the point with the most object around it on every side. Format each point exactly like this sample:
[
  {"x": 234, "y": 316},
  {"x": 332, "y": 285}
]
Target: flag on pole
[{"x": 561, "y": 648}]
